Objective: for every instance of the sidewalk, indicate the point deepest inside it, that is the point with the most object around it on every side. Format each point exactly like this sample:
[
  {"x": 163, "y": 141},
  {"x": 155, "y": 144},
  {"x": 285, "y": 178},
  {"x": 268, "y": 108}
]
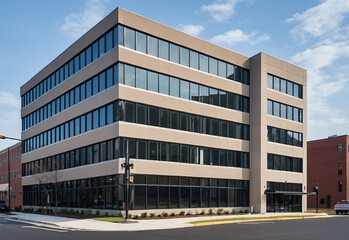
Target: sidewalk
[{"x": 141, "y": 225}]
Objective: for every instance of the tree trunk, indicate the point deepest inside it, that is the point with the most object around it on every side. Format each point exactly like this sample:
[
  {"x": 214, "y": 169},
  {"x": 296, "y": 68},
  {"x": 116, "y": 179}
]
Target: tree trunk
[{"x": 56, "y": 190}]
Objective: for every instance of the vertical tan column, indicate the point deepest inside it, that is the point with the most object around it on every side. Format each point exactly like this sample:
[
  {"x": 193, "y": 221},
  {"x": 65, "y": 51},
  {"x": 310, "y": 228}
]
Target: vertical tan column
[
  {"x": 303, "y": 74},
  {"x": 258, "y": 136}
]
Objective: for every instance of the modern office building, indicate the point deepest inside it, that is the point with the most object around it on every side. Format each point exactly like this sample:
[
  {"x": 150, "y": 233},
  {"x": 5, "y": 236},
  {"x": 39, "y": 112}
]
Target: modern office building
[
  {"x": 328, "y": 167},
  {"x": 207, "y": 127},
  {"x": 15, "y": 175}
]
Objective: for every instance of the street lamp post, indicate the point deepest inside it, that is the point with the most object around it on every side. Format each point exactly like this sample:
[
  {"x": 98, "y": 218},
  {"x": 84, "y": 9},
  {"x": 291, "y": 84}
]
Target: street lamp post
[
  {"x": 9, "y": 168},
  {"x": 127, "y": 178},
  {"x": 317, "y": 197},
  {"x": 316, "y": 190}
]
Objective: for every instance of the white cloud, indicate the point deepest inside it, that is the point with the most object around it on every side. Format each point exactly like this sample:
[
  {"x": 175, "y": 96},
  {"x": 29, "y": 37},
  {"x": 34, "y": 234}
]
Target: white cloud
[
  {"x": 190, "y": 29},
  {"x": 76, "y": 24},
  {"x": 339, "y": 120},
  {"x": 322, "y": 55},
  {"x": 10, "y": 123},
  {"x": 233, "y": 37},
  {"x": 10, "y": 117},
  {"x": 221, "y": 10},
  {"x": 320, "y": 20},
  {"x": 9, "y": 100}
]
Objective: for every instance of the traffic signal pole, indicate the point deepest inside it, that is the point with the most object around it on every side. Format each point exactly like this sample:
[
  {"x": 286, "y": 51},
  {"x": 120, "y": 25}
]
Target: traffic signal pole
[{"x": 127, "y": 166}]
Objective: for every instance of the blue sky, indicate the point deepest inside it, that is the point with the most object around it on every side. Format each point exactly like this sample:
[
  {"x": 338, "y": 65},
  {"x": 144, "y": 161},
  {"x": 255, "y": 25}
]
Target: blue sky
[{"x": 312, "y": 34}]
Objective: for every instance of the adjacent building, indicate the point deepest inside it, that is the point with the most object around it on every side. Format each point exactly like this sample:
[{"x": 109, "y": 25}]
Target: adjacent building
[
  {"x": 15, "y": 175},
  {"x": 327, "y": 166},
  {"x": 207, "y": 127}
]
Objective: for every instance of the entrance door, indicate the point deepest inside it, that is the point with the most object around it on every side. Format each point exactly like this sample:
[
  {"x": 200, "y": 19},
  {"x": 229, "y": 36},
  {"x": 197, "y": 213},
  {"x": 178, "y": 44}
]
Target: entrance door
[{"x": 328, "y": 201}]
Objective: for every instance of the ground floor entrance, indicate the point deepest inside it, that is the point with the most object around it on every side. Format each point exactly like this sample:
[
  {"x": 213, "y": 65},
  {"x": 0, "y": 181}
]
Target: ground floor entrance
[
  {"x": 284, "y": 197},
  {"x": 284, "y": 203}
]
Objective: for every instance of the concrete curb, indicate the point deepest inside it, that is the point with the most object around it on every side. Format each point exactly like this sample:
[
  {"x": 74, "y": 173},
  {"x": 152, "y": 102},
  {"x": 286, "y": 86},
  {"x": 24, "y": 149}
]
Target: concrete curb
[
  {"x": 33, "y": 221},
  {"x": 254, "y": 220}
]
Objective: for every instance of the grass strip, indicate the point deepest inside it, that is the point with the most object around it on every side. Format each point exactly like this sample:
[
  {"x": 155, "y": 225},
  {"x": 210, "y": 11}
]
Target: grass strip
[
  {"x": 108, "y": 219},
  {"x": 251, "y": 218}
]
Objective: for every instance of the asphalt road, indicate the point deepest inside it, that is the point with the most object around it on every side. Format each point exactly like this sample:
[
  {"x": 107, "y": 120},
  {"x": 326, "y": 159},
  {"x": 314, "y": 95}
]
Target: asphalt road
[{"x": 321, "y": 228}]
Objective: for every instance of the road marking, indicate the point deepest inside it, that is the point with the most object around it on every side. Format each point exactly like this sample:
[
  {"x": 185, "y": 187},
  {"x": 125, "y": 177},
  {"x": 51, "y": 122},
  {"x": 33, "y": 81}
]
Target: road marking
[
  {"x": 253, "y": 222},
  {"x": 47, "y": 229}
]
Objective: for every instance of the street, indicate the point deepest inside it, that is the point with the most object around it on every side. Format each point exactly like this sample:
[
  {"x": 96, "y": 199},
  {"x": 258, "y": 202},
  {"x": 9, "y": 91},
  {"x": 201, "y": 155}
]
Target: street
[{"x": 320, "y": 228}]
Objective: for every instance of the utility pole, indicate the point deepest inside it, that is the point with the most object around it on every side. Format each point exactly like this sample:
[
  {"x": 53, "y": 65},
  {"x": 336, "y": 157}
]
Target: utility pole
[
  {"x": 9, "y": 178},
  {"x": 127, "y": 167}
]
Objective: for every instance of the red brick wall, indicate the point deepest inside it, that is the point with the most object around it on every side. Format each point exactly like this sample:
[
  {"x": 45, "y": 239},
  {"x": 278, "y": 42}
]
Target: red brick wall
[
  {"x": 323, "y": 161},
  {"x": 16, "y": 175}
]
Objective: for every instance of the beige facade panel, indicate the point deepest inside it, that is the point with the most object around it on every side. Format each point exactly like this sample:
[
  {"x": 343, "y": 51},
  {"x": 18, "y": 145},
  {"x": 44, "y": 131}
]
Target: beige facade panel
[
  {"x": 89, "y": 37},
  {"x": 153, "y": 28},
  {"x": 285, "y": 99},
  {"x": 284, "y": 177},
  {"x": 176, "y": 70},
  {"x": 87, "y": 171},
  {"x": 88, "y": 138},
  {"x": 182, "y": 105},
  {"x": 285, "y": 150},
  {"x": 79, "y": 109},
  {"x": 188, "y": 170},
  {"x": 284, "y": 123},
  {"x": 284, "y": 69},
  {"x": 146, "y": 167},
  {"x": 133, "y": 130},
  {"x": 88, "y": 72}
]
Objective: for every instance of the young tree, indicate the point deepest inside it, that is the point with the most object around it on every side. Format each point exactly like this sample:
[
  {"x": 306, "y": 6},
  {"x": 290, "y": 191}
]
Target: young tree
[{"x": 49, "y": 179}]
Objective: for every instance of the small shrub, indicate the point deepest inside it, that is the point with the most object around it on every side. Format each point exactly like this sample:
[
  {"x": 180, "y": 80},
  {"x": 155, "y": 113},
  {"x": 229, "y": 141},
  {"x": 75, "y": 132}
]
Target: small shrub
[
  {"x": 89, "y": 212},
  {"x": 144, "y": 215},
  {"x": 202, "y": 212},
  {"x": 82, "y": 212},
  {"x": 152, "y": 215},
  {"x": 130, "y": 216},
  {"x": 226, "y": 212},
  {"x": 181, "y": 213},
  {"x": 219, "y": 211},
  {"x": 188, "y": 213},
  {"x": 38, "y": 210},
  {"x": 71, "y": 211},
  {"x": 97, "y": 212},
  {"x": 135, "y": 216},
  {"x": 241, "y": 211},
  {"x": 159, "y": 215},
  {"x": 64, "y": 211},
  {"x": 210, "y": 211},
  {"x": 76, "y": 212},
  {"x": 120, "y": 215},
  {"x": 172, "y": 214},
  {"x": 106, "y": 214},
  {"x": 233, "y": 211},
  {"x": 164, "y": 214},
  {"x": 246, "y": 211}
]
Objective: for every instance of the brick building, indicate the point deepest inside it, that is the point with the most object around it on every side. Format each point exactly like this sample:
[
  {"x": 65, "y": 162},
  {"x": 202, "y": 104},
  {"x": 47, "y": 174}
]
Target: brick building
[
  {"x": 327, "y": 167},
  {"x": 16, "y": 175}
]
